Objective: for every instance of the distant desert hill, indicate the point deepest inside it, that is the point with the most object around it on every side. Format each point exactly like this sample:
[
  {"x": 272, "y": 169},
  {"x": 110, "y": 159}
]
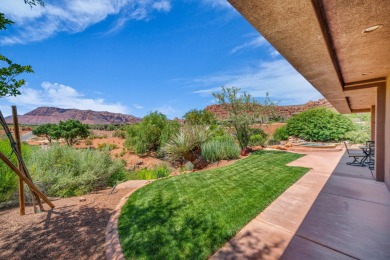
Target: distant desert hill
[
  {"x": 44, "y": 115},
  {"x": 282, "y": 111}
]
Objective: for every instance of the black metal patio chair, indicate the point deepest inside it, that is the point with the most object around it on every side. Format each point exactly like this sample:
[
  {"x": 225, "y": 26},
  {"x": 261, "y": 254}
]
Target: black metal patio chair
[{"x": 357, "y": 155}]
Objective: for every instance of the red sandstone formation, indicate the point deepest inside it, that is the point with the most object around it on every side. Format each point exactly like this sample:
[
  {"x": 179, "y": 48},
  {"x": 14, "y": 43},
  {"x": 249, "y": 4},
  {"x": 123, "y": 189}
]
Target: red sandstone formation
[
  {"x": 44, "y": 115},
  {"x": 282, "y": 111}
]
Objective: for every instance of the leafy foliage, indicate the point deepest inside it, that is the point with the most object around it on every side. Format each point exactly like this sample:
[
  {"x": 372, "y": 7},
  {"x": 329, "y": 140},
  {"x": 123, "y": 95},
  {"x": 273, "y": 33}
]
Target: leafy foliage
[
  {"x": 257, "y": 138},
  {"x": 243, "y": 111},
  {"x": 32, "y": 3},
  {"x": 72, "y": 129},
  {"x": 9, "y": 71},
  {"x": 200, "y": 117},
  {"x": 319, "y": 124},
  {"x": 362, "y": 131},
  {"x": 280, "y": 134},
  {"x": 223, "y": 148},
  {"x": 186, "y": 144},
  {"x": 9, "y": 179},
  {"x": 46, "y": 130},
  {"x": 65, "y": 171},
  {"x": 150, "y": 134},
  {"x": 157, "y": 172}
]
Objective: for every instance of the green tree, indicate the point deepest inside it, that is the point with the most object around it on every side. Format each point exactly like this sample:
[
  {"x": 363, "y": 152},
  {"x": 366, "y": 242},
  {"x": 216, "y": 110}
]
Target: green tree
[
  {"x": 72, "y": 129},
  {"x": 9, "y": 71},
  {"x": 44, "y": 130},
  {"x": 243, "y": 111},
  {"x": 150, "y": 134},
  {"x": 199, "y": 117},
  {"x": 319, "y": 124}
]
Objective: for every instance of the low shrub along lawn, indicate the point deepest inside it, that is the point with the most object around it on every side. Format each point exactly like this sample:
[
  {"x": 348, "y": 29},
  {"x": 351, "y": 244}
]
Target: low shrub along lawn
[
  {"x": 64, "y": 171},
  {"x": 157, "y": 172},
  {"x": 192, "y": 215},
  {"x": 221, "y": 148}
]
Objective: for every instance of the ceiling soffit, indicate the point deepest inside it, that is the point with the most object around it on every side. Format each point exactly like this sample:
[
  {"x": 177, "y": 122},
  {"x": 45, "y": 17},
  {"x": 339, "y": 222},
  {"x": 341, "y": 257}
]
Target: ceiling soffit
[{"x": 323, "y": 40}]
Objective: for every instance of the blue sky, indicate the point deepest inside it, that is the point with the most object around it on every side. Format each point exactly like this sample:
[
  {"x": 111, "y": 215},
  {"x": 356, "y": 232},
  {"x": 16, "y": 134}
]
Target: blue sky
[{"x": 137, "y": 56}]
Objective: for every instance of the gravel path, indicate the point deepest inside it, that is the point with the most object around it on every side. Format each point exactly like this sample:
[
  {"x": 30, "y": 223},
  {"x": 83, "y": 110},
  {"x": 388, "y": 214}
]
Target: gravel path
[{"x": 74, "y": 229}]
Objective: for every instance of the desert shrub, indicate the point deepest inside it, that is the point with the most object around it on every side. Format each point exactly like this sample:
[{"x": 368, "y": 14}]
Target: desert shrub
[
  {"x": 360, "y": 135},
  {"x": 171, "y": 128},
  {"x": 243, "y": 111},
  {"x": 9, "y": 179},
  {"x": 280, "y": 134},
  {"x": 120, "y": 133},
  {"x": 186, "y": 144},
  {"x": 150, "y": 134},
  {"x": 157, "y": 172},
  {"x": 319, "y": 124},
  {"x": 64, "y": 171},
  {"x": 257, "y": 137},
  {"x": 223, "y": 148},
  {"x": 199, "y": 117},
  {"x": 88, "y": 142},
  {"x": 357, "y": 137},
  {"x": 107, "y": 147}
]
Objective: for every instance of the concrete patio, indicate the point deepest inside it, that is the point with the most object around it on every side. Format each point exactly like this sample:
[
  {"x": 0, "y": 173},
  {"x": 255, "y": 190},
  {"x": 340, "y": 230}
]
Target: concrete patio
[
  {"x": 348, "y": 220},
  {"x": 335, "y": 211}
]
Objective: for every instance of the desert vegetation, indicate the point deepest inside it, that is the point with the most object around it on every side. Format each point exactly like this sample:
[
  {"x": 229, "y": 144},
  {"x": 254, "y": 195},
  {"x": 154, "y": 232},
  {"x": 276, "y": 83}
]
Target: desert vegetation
[
  {"x": 325, "y": 125},
  {"x": 69, "y": 130}
]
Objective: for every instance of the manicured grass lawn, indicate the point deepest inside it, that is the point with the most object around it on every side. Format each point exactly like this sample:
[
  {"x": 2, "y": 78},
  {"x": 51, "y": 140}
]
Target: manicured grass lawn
[{"x": 191, "y": 216}]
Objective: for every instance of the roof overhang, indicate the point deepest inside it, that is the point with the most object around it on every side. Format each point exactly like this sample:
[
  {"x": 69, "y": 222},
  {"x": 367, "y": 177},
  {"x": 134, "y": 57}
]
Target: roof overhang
[{"x": 324, "y": 41}]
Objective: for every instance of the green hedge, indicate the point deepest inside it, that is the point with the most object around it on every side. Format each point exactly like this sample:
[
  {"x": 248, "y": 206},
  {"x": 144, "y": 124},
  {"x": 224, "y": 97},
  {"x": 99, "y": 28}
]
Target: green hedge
[{"x": 319, "y": 124}]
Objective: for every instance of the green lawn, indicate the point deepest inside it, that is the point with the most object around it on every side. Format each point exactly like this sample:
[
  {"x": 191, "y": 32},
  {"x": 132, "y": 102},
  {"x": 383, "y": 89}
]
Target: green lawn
[{"x": 191, "y": 216}]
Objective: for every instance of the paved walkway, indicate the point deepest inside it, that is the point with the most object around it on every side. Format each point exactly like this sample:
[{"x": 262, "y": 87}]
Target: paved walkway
[
  {"x": 350, "y": 219},
  {"x": 268, "y": 235}
]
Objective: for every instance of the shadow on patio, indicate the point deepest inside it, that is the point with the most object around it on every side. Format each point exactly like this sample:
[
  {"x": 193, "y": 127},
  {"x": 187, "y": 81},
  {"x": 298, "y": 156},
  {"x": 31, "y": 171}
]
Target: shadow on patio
[{"x": 349, "y": 219}]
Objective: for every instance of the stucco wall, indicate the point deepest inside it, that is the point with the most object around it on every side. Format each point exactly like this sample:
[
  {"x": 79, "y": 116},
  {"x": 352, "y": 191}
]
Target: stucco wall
[{"x": 387, "y": 135}]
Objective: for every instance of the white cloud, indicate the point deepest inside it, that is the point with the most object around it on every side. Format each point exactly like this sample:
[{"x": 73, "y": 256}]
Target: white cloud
[
  {"x": 217, "y": 3},
  {"x": 278, "y": 78},
  {"x": 138, "y": 106},
  {"x": 72, "y": 16},
  {"x": 164, "y": 6},
  {"x": 256, "y": 42},
  {"x": 167, "y": 110},
  {"x": 59, "y": 95}
]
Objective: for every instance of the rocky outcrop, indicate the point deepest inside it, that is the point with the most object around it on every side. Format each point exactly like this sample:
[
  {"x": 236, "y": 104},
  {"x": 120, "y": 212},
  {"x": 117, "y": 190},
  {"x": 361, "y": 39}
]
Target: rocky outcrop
[
  {"x": 44, "y": 115},
  {"x": 282, "y": 111}
]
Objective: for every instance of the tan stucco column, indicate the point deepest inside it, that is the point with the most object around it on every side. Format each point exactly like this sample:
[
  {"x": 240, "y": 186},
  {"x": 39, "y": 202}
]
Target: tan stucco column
[
  {"x": 372, "y": 123},
  {"x": 380, "y": 118},
  {"x": 387, "y": 135}
]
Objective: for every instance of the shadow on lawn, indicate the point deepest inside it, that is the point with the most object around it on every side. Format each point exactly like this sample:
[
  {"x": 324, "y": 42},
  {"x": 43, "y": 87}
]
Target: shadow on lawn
[
  {"x": 66, "y": 232},
  {"x": 157, "y": 231}
]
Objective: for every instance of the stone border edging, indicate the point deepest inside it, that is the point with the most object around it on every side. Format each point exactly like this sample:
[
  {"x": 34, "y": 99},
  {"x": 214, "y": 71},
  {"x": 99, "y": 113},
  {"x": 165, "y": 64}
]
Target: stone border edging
[{"x": 112, "y": 243}]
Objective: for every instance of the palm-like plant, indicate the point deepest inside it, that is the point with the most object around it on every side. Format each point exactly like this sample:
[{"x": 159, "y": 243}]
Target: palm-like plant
[{"x": 187, "y": 144}]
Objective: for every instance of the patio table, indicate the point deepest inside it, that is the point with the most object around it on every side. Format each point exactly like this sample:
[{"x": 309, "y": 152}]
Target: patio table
[{"x": 366, "y": 151}]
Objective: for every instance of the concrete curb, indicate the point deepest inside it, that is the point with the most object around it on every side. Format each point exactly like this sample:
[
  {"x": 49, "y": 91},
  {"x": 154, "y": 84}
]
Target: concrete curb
[{"x": 112, "y": 244}]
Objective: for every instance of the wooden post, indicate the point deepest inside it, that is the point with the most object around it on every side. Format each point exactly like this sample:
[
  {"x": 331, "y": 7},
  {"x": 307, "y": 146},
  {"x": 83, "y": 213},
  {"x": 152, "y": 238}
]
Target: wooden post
[
  {"x": 22, "y": 204},
  {"x": 21, "y": 162},
  {"x": 25, "y": 179}
]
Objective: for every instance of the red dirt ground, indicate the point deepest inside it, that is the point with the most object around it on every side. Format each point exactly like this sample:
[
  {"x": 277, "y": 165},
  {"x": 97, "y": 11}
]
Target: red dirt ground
[{"x": 72, "y": 230}]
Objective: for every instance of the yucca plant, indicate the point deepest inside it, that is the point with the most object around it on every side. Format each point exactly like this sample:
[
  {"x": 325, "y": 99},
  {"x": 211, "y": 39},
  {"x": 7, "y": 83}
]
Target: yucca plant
[{"x": 187, "y": 144}]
